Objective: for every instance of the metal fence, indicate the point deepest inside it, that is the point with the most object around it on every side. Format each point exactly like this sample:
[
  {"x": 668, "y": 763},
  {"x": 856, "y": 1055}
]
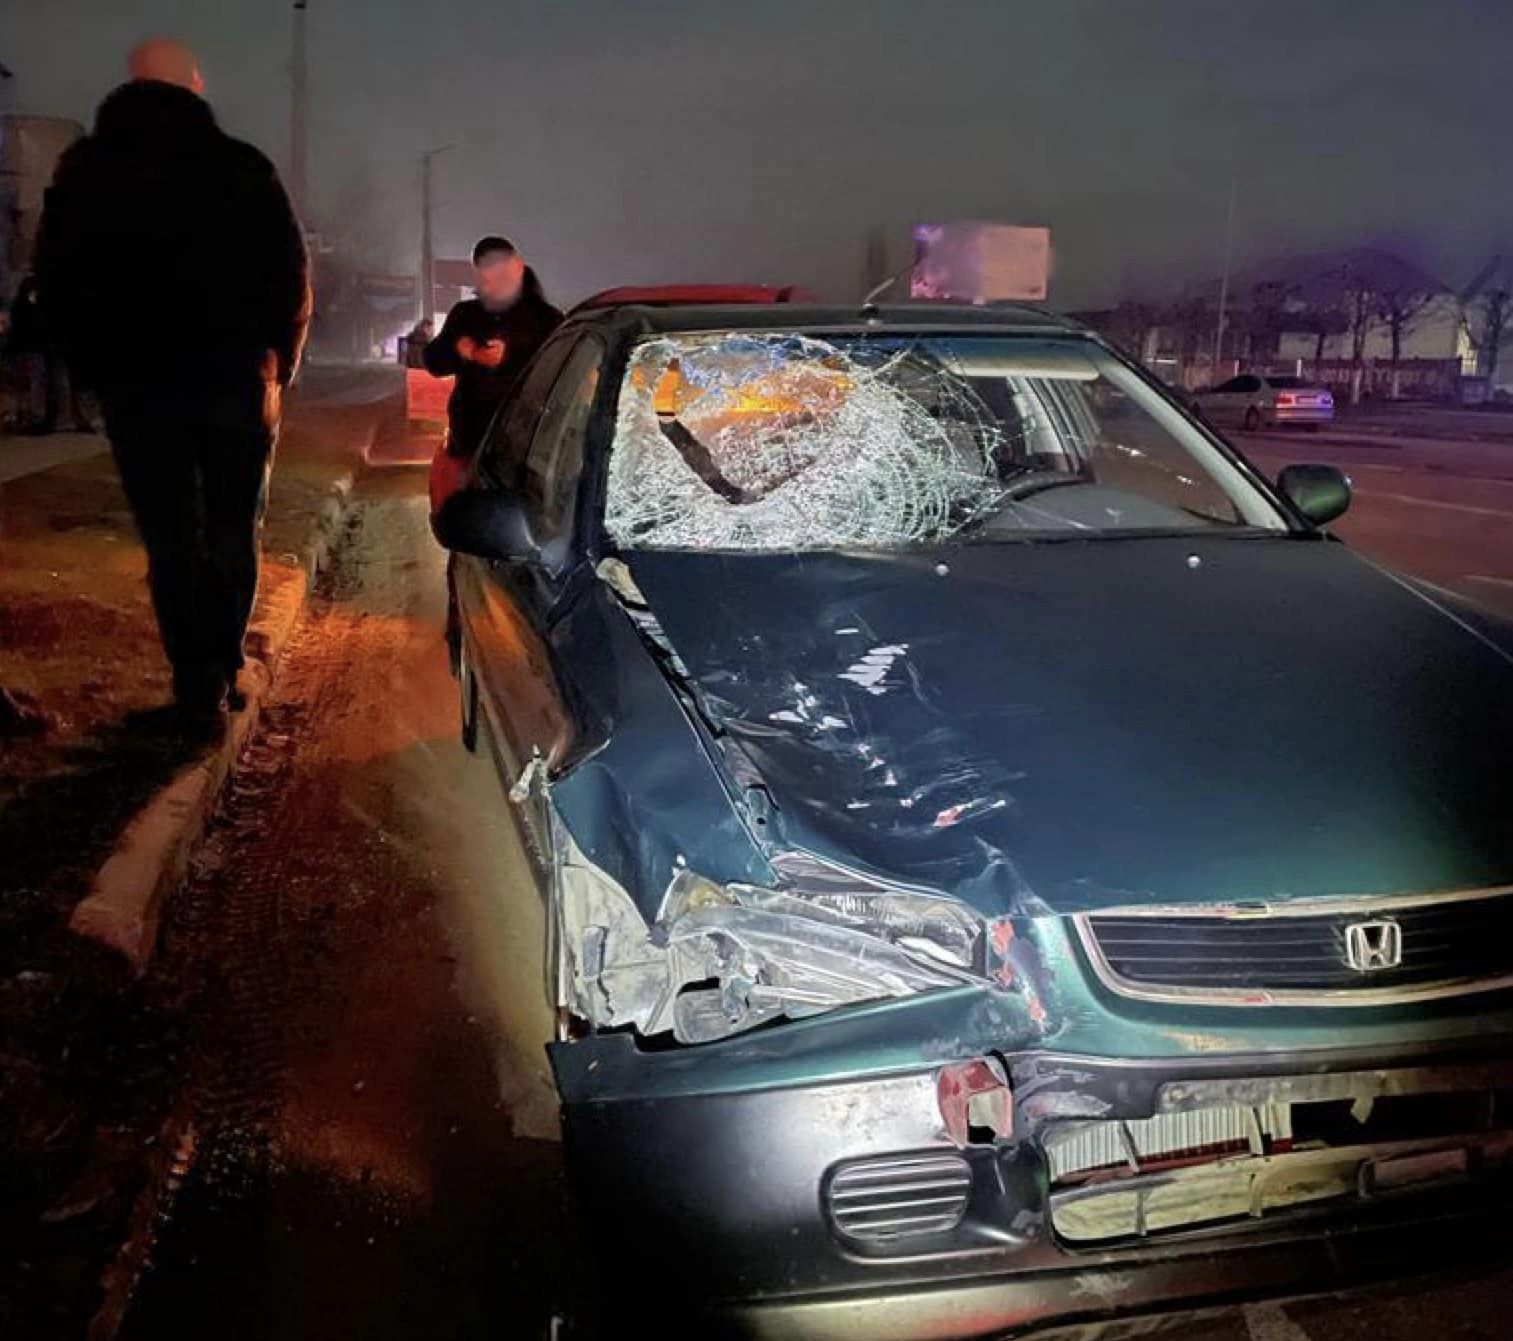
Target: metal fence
[{"x": 1417, "y": 379}]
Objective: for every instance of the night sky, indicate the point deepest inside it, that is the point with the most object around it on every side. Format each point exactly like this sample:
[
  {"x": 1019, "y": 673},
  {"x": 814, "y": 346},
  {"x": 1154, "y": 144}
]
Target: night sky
[{"x": 627, "y": 140}]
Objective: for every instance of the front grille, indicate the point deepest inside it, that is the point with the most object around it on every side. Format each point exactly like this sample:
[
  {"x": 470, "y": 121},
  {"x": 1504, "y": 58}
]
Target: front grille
[
  {"x": 1075, "y": 1148},
  {"x": 1456, "y": 944},
  {"x": 878, "y": 1200},
  {"x": 1356, "y": 1136}
]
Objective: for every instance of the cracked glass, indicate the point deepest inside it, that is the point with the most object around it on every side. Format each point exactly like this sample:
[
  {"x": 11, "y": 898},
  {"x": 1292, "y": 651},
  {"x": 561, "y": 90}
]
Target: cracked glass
[{"x": 782, "y": 441}]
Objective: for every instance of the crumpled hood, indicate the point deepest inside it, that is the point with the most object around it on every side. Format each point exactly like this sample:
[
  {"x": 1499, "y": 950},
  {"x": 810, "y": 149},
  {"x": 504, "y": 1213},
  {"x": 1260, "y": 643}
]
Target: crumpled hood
[{"x": 1063, "y": 726}]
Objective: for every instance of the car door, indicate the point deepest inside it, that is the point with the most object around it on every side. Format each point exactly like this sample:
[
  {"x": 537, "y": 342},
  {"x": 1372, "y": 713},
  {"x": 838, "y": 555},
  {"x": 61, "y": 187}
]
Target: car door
[
  {"x": 1225, "y": 404},
  {"x": 1251, "y": 396},
  {"x": 534, "y": 452}
]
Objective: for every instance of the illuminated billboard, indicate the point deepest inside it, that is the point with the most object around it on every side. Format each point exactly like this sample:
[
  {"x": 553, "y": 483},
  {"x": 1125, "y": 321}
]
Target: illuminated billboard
[{"x": 975, "y": 261}]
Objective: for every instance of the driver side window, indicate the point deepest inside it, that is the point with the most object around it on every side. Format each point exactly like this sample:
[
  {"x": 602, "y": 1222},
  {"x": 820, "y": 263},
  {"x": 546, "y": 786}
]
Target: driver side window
[
  {"x": 554, "y": 463},
  {"x": 501, "y": 461}
]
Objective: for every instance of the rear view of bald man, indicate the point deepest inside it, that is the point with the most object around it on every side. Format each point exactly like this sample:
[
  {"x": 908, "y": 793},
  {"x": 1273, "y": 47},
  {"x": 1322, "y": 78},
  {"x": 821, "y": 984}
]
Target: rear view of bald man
[
  {"x": 167, "y": 62},
  {"x": 173, "y": 268}
]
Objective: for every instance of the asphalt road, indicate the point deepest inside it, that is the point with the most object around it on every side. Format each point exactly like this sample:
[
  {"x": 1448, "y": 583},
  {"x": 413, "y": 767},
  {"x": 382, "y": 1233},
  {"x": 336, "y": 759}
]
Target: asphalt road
[
  {"x": 367, "y": 1142},
  {"x": 1438, "y": 508},
  {"x": 324, "y": 384}
]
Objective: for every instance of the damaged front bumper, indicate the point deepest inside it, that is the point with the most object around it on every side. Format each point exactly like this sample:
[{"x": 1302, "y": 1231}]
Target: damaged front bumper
[{"x": 847, "y": 1209}]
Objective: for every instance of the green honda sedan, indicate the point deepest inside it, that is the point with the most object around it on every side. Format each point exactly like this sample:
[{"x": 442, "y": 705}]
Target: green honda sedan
[{"x": 1006, "y": 863}]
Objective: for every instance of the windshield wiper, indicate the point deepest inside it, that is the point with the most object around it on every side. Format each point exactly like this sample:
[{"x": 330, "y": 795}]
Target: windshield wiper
[
  {"x": 1038, "y": 481},
  {"x": 699, "y": 460}
]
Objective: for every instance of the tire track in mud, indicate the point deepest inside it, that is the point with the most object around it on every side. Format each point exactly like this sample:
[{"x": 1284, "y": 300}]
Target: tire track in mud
[
  {"x": 344, "y": 1161},
  {"x": 228, "y": 939}
]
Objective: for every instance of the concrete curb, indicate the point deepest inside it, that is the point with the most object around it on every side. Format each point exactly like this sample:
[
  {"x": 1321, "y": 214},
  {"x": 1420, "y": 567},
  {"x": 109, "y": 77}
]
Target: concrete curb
[{"x": 125, "y": 903}]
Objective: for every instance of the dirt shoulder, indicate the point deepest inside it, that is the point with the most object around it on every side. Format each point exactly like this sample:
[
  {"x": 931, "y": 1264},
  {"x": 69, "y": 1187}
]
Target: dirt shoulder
[
  {"x": 83, "y": 1067},
  {"x": 78, "y": 644}
]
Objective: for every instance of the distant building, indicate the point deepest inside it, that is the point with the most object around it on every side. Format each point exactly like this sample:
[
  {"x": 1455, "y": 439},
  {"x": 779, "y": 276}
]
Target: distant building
[
  {"x": 29, "y": 150},
  {"x": 1435, "y": 332}
]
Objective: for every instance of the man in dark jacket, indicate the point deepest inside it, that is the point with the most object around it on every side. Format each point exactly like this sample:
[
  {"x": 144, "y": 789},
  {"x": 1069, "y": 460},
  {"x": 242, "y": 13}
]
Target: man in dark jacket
[
  {"x": 487, "y": 340},
  {"x": 174, "y": 273}
]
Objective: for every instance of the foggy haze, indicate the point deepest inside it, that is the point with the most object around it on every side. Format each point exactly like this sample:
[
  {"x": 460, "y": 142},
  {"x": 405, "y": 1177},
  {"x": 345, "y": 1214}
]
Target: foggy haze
[{"x": 624, "y": 143}]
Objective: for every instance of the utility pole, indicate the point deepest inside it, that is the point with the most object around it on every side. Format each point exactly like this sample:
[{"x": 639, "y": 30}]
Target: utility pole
[
  {"x": 427, "y": 258},
  {"x": 1229, "y": 249},
  {"x": 298, "y": 146}
]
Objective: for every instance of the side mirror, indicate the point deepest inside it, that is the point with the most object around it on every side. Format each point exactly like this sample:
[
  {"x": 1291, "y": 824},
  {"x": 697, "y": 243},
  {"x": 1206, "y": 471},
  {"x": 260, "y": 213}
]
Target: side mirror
[
  {"x": 487, "y": 523},
  {"x": 1320, "y": 493}
]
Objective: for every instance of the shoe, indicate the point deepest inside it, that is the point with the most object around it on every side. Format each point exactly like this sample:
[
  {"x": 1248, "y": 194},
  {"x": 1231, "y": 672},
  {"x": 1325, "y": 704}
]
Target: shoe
[
  {"x": 198, "y": 721},
  {"x": 198, "y": 690},
  {"x": 202, "y": 727}
]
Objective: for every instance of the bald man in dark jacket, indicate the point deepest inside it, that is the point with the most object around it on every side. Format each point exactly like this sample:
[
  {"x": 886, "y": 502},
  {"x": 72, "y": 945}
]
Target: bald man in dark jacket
[{"x": 174, "y": 272}]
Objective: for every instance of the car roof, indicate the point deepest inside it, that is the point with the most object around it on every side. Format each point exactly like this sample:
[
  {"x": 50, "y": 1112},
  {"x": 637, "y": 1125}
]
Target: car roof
[
  {"x": 911, "y": 317},
  {"x": 685, "y": 295}
]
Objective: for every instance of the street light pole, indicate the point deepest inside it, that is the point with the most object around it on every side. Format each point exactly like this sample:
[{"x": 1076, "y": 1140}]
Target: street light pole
[
  {"x": 427, "y": 258},
  {"x": 1229, "y": 248},
  {"x": 298, "y": 149}
]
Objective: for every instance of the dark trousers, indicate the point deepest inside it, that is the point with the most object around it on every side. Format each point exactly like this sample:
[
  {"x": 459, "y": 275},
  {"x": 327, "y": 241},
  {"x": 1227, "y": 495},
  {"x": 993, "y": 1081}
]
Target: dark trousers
[
  {"x": 195, "y": 464},
  {"x": 43, "y": 388}
]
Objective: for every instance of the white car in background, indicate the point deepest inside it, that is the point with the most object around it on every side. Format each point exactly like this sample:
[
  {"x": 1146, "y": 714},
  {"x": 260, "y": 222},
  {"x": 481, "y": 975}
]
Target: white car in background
[{"x": 1253, "y": 401}]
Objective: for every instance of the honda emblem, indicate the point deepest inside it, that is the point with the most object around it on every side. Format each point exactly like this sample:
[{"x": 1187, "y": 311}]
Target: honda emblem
[{"x": 1370, "y": 946}]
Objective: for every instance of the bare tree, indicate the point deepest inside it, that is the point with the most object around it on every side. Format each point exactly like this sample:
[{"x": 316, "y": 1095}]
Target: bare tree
[
  {"x": 1362, "y": 284},
  {"x": 1265, "y": 319},
  {"x": 1192, "y": 320},
  {"x": 1496, "y": 316},
  {"x": 1322, "y": 321},
  {"x": 1470, "y": 300},
  {"x": 1130, "y": 325},
  {"x": 1398, "y": 309},
  {"x": 1360, "y": 313}
]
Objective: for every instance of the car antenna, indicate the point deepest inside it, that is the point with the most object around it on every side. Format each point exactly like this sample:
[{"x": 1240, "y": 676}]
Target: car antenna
[{"x": 869, "y": 303}]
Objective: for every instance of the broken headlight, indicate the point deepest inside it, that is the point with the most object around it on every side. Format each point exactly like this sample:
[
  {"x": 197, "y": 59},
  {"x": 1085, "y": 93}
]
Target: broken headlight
[
  {"x": 928, "y": 927},
  {"x": 742, "y": 955},
  {"x": 723, "y": 958},
  {"x": 934, "y": 925}
]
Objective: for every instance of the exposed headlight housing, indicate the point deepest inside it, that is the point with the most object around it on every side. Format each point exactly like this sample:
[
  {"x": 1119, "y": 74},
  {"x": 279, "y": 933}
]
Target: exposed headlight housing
[
  {"x": 935, "y": 925},
  {"x": 723, "y": 958},
  {"x": 747, "y": 954}
]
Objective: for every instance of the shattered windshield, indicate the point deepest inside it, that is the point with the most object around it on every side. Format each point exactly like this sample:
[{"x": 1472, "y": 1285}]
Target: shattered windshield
[{"x": 757, "y": 441}]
